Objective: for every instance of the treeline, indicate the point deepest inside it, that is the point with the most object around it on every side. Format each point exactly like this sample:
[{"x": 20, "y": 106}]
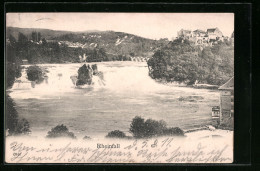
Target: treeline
[
  {"x": 139, "y": 128},
  {"x": 14, "y": 124},
  {"x": 37, "y": 50},
  {"x": 114, "y": 42},
  {"x": 183, "y": 62}
]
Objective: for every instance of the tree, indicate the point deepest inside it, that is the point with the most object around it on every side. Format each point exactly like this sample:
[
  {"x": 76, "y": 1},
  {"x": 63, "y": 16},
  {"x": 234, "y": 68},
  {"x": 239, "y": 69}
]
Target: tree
[
  {"x": 39, "y": 36},
  {"x": 14, "y": 124},
  {"x": 152, "y": 128},
  {"x": 116, "y": 134},
  {"x": 34, "y": 36},
  {"x": 12, "y": 39},
  {"x": 60, "y": 131},
  {"x": 184, "y": 62},
  {"x": 44, "y": 42},
  {"x": 22, "y": 38},
  {"x": 137, "y": 127}
]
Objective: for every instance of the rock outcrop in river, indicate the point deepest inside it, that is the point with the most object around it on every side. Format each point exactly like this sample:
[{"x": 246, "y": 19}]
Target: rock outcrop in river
[
  {"x": 85, "y": 75},
  {"x": 36, "y": 75}
]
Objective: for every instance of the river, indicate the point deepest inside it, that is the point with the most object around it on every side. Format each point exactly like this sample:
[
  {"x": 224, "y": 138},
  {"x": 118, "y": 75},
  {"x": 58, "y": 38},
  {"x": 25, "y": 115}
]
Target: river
[{"x": 93, "y": 111}]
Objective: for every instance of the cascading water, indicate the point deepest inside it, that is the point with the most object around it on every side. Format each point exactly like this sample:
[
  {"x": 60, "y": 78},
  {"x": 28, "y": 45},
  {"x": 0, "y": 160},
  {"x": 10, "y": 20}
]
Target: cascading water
[{"x": 110, "y": 104}]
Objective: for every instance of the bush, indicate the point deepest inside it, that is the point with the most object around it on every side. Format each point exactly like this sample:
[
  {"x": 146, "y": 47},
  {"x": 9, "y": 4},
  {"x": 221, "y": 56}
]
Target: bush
[
  {"x": 137, "y": 127},
  {"x": 116, "y": 134},
  {"x": 86, "y": 138},
  {"x": 152, "y": 128},
  {"x": 35, "y": 73},
  {"x": 173, "y": 132},
  {"x": 60, "y": 131},
  {"x": 14, "y": 124}
]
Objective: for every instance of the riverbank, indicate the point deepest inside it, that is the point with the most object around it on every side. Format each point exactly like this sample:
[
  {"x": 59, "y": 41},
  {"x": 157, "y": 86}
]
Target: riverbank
[{"x": 195, "y": 86}]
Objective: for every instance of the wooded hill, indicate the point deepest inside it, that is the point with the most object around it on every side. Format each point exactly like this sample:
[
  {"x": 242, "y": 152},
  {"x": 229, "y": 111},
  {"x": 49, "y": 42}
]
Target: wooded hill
[
  {"x": 182, "y": 62},
  {"x": 116, "y": 45}
]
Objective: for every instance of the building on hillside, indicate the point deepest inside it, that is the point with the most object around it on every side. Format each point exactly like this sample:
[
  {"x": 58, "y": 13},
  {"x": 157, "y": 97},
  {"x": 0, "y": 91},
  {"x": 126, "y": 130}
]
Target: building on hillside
[
  {"x": 199, "y": 33},
  {"x": 227, "y": 102},
  {"x": 214, "y": 34},
  {"x": 200, "y": 37},
  {"x": 184, "y": 33}
]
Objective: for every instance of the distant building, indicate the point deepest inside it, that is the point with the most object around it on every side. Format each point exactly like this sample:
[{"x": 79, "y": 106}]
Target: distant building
[
  {"x": 184, "y": 33},
  {"x": 214, "y": 33},
  {"x": 199, "y": 33},
  {"x": 227, "y": 101},
  {"x": 200, "y": 37}
]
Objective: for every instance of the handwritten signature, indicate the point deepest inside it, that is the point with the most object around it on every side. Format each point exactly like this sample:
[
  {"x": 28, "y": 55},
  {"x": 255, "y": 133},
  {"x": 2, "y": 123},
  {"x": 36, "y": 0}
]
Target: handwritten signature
[{"x": 136, "y": 151}]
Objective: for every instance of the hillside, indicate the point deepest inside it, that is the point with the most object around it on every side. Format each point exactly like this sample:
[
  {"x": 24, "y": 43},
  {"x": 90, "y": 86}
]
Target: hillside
[
  {"x": 114, "y": 43},
  {"x": 185, "y": 63},
  {"x": 46, "y": 33}
]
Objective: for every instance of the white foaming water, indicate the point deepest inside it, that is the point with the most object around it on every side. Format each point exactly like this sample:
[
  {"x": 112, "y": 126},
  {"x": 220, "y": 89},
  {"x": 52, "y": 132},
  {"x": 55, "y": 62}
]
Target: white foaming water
[
  {"x": 126, "y": 91},
  {"x": 120, "y": 77}
]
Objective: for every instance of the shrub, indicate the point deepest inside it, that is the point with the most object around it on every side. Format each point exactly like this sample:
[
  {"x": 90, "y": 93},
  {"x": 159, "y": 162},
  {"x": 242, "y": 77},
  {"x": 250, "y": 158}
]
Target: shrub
[
  {"x": 173, "y": 132},
  {"x": 14, "y": 124},
  {"x": 86, "y": 138},
  {"x": 151, "y": 128},
  {"x": 60, "y": 131},
  {"x": 35, "y": 73},
  {"x": 116, "y": 134},
  {"x": 137, "y": 127},
  {"x": 154, "y": 128}
]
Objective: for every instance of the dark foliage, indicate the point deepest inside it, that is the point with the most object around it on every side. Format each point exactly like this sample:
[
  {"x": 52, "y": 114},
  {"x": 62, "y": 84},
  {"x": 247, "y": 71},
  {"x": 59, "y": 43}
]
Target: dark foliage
[
  {"x": 137, "y": 127},
  {"x": 35, "y": 73},
  {"x": 84, "y": 75},
  {"x": 60, "y": 131},
  {"x": 173, "y": 132},
  {"x": 13, "y": 69},
  {"x": 86, "y": 138},
  {"x": 116, "y": 134},
  {"x": 22, "y": 38},
  {"x": 183, "y": 62},
  {"x": 152, "y": 128},
  {"x": 14, "y": 124},
  {"x": 98, "y": 46}
]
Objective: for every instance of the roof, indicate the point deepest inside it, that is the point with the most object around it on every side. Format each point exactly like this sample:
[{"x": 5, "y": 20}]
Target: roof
[
  {"x": 229, "y": 85},
  {"x": 211, "y": 30},
  {"x": 200, "y": 31}
]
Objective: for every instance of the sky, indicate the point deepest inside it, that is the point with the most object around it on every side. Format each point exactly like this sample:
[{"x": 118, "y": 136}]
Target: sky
[{"x": 148, "y": 25}]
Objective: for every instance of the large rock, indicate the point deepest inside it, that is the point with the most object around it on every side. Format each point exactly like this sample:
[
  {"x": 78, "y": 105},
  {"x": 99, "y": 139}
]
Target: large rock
[
  {"x": 85, "y": 74},
  {"x": 35, "y": 74},
  {"x": 96, "y": 72}
]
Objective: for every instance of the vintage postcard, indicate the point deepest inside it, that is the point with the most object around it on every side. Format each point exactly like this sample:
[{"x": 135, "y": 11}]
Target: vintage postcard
[{"x": 119, "y": 88}]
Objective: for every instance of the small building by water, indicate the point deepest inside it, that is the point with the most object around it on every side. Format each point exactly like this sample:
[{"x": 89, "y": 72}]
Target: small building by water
[
  {"x": 215, "y": 112},
  {"x": 227, "y": 103}
]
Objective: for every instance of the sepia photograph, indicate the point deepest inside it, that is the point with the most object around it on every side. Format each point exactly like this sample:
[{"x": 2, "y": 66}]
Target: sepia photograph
[{"x": 119, "y": 87}]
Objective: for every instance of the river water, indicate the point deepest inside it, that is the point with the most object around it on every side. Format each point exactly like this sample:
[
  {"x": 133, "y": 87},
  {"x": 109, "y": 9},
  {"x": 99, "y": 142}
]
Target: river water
[{"x": 95, "y": 110}]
